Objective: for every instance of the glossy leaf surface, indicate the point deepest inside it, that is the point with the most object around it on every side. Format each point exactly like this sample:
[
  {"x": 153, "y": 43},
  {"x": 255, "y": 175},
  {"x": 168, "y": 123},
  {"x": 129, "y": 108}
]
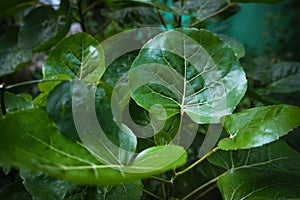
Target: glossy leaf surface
[
  {"x": 188, "y": 71},
  {"x": 44, "y": 27},
  {"x": 259, "y": 126},
  {"x": 79, "y": 55}
]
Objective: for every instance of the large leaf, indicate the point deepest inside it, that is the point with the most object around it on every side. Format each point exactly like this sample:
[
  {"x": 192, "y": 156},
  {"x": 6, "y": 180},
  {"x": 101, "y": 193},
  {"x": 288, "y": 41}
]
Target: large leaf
[
  {"x": 79, "y": 55},
  {"x": 259, "y": 126},
  {"x": 43, "y": 187},
  {"x": 44, "y": 27},
  {"x": 12, "y": 56},
  {"x": 188, "y": 71},
  {"x": 268, "y": 172},
  {"x": 52, "y": 153}
]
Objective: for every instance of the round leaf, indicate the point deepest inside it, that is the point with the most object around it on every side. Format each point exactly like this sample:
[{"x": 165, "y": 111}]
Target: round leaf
[{"x": 188, "y": 71}]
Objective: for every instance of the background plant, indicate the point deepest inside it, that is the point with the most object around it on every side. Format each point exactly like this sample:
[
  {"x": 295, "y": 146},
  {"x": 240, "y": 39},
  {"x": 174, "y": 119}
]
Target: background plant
[{"x": 42, "y": 156}]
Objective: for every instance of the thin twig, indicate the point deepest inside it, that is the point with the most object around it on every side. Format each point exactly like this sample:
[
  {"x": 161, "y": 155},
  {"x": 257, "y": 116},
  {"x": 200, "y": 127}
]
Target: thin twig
[
  {"x": 81, "y": 22},
  {"x": 161, "y": 19},
  {"x": 206, "y": 191},
  {"x": 195, "y": 163},
  {"x": 91, "y": 6},
  {"x": 2, "y": 99},
  {"x": 161, "y": 179},
  {"x": 151, "y": 194},
  {"x": 201, "y": 187},
  {"x": 213, "y": 14}
]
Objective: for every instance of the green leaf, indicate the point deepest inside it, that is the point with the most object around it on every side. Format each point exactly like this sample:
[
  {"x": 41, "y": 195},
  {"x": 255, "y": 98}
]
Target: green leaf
[
  {"x": 259, "y": 126},
  {"x": 52, "y": 153},
  {"x": 188, "y": 71},
  {"x": 134, "y": 16},
  {"x": 145, "y": 3},
  {"x": 129, "y": 191},
  {"x": 79, "y": 55},
  {"x": 13, "y": 6},
  {"x": 46, "y": 87},
  {"x": 12, "y": 56},
  {"x": 44, "y": 27},
  {"x": 285, "y": 77},
  {"x": 237, "y": 47},
  {"x": 118, "y": 68},
  {"x": 203, "y": 11},
  {"x": 17, "y": 102},
  {"x": 43, "y": 187},
  {"x": 60, "y": 109},
  {"x": 268, "y": 172}
]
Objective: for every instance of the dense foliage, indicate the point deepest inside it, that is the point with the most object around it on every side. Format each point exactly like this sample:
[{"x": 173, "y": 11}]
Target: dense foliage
[{"x": 143, "y": 103}]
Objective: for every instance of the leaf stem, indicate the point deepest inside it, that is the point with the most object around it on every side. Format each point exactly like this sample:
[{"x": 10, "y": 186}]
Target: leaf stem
[
  {"x": 33, "y": 82},
  {"x": 161, "y": 179},
  {"x": 2, "y": 99},
  {"x": 151, "y": 194},
  {"x": 201, "y": 187},
  {"x": 195, "y": 163},
  {"x": 213, "y": 14},
  {"x": 161, "y": 19}
]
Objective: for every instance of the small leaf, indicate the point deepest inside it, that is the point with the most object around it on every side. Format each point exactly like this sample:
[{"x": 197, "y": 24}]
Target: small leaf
[
  {"x": 259, "y": 126},
  {"x": 44, "y": 27},
  {"x": 12, "y": 56},
  {"x": 17, "y": 102},
  {"x": 79, "y": 55}
]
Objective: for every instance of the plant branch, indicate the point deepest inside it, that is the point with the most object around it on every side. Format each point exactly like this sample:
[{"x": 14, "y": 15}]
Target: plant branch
[
  {"x": 90, "y": 7},
  {"x": 81, "y": 15},
  {"x": 3, "y": 108},
  {"x": 151, "y": 194},
  {"x": 213, "y": 14},
  {"x": 161, "y": 179},
  {"x": 201, "y": 187},
  {"x": 161, "y": 19},
  {"x": 195, "y": 163},
  {"x": 206, "y": 191}
]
